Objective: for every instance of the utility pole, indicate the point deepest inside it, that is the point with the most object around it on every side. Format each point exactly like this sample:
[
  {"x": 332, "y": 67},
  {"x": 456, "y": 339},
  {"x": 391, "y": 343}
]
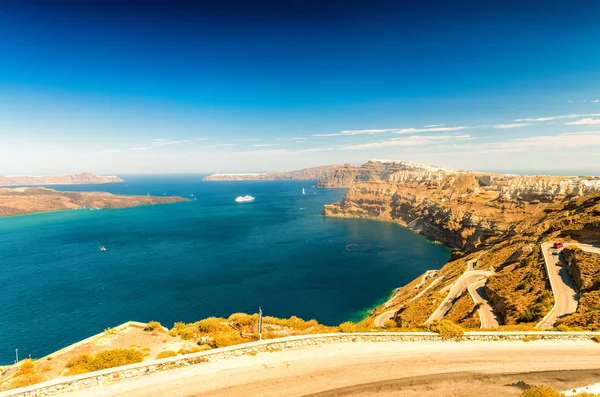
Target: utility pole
[
  {"x": 259, "y": 323},
  {"x": 16, "y": 356}
]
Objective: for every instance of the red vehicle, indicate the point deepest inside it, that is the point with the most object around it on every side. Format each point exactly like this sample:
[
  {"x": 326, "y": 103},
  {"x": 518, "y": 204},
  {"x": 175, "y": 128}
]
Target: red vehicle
[
  {"x": 559, "y": 264},
  {"x": 557, "y": 244}
]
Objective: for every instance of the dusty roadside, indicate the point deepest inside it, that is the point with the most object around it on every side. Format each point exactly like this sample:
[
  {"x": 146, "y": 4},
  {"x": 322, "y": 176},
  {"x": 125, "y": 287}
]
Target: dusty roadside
[{"x": 404, "y": 369}]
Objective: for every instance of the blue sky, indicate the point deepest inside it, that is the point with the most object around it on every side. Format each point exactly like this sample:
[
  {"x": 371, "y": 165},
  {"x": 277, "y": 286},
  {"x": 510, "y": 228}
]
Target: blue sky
[{"x": 117, "y": 87}]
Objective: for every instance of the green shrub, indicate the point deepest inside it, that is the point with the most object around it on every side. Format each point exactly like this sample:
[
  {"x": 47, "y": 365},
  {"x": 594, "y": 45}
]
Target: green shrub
[
  {"x": 153, "y": 325},
  {"x": 78, "y": 365},
  {"x": 243, "y": 318},
  {"x": 390, "y": 324},
  {"x": 26, "y": 380},
  {"x": 348, "y": 326},
  {"x": 166, "y": 353},
  {"x": 541, "y": 391},
  {"x": 211, "y": 324},
  {"x": 446, "y": 329},
  {"x": 596, "y": 339},
  {"x": 114, "y": 358},
  {"x": 562, "y": 328},
  {"x": 26, "y": 367}
]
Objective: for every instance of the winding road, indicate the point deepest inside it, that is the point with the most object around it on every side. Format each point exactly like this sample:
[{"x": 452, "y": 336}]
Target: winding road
[
  {"x": 487, "y": 317},
  {"x": 564, "y": 289},
  {"x": 384, "y": 369},
  {"x": 387, "y": 315},
  {"x": 469, "y": 277}
]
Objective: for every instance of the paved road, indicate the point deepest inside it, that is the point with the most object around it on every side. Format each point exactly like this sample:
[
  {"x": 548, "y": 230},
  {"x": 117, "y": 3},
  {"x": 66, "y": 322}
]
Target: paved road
[
  {"x": 465, "y": 369},
  {"x": 383, "y": 317},
  {"x": 563, "y": 289},
  {"x": 487, "y": 316},
  {"x": 467, "y": 278}
]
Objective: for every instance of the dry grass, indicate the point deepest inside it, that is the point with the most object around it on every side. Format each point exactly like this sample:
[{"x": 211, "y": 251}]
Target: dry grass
[
  {"x": 446, "y": 329},
  {"x": 520, "y": 291},
  {"x": 464, "y": 312},
  {"x": 103, "y": 360},
  {"x": 543, "y": 391}
]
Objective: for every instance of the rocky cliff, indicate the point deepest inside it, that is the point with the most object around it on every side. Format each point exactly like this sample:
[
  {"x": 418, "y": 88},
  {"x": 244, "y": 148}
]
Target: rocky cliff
[
  {"x": 462, "y": 209},
  {"x": 70, "y": 179},
  {"x": 496, "y": 221},
  {"x": 18, "y": 201},
  {"x": 306, "y": 174}
]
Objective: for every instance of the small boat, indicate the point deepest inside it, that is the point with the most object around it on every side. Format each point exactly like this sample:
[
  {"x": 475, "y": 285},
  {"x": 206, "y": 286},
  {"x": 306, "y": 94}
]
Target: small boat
[
  {"x": 192, "y": 195},
  {"x": 303, "y": 192},
  {"x": 102, "y": 248},
  {"x": 244, "y": 199}
]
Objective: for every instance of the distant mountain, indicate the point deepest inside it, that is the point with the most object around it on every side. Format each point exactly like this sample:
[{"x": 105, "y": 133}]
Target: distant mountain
[
  {"x": 306, "y": 174},
  {"x": 70, "y": 179}
]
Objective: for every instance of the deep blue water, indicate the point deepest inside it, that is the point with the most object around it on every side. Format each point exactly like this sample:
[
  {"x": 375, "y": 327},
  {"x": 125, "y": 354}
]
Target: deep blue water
[{"x": 187, "y": 261}]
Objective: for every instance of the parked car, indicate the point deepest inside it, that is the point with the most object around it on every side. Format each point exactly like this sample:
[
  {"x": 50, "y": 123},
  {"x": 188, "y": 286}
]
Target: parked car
[
  {"x": 555, "y": 252},
  {"x": 559, "y": 264},
  {"x": 557, "y": 244}
]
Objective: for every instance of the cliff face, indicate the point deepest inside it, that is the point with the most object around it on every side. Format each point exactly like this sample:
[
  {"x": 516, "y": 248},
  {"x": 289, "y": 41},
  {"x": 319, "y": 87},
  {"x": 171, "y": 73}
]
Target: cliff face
[
  {"x": 342, "y": 177},
  {"x": 307, "y": 174},
  {"x": 461, "y": 209},
  {"x": 71, "y": 179},
  {"x": 18, "y": 201}
]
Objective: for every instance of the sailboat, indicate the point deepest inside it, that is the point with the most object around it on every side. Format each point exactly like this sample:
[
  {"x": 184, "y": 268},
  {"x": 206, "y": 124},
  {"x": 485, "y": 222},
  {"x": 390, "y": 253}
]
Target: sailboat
[{"x": 303, "y": 192}]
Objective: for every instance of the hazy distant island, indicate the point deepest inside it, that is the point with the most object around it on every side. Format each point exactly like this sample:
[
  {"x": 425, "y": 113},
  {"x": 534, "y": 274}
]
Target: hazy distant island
[
  {"x": 306, "y": 174},
  {"x": 29, "y": 200},
  {"x": 69, "y": 179}
]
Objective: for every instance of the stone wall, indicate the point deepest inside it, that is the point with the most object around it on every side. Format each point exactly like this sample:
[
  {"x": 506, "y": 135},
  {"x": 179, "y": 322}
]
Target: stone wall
[{"x": 99, "y": 378}]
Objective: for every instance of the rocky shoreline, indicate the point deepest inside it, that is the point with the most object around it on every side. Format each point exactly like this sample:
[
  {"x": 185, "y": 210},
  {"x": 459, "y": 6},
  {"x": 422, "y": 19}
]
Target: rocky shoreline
[
  {"x": 21, "y": 201},
  {"x": 498, "y": 218}
]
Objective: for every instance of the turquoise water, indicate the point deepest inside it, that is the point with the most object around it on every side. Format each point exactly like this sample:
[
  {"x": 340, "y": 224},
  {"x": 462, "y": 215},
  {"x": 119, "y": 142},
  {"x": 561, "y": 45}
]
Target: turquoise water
[{"x": 186, "y": 261}]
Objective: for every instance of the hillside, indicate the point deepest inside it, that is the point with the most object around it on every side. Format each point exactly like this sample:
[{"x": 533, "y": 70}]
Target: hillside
[
  {"x": 70, "y": 179},
  {"x": 18, "y": 201},
  {"x": 497, "y": 221},
  {"x": 306, "y": 174}
]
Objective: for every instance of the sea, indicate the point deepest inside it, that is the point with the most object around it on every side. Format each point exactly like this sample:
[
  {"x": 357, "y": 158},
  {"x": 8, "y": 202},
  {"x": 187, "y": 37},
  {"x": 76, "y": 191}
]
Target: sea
[{"x": 209, "y": 256}]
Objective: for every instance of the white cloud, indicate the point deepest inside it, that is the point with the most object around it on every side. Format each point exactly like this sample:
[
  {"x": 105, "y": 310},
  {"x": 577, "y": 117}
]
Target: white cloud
[
  {"x": 141, "y": 148},
  {"x": 415, "y": 140},
  {"x": 361, "y": 132},
  {"x": 596, "y": 100},
  {"x": 586, "y": 121},
  {"x": 166, "y": 142},
  {"x": 291, "y": 139},
  {"x": 567, "y": 116},
  {"x": 249, "y": 140},
  {"x": 570, "y": 101},
  {"x": 514, "y": 125},
  {"x": 432, "y": 129},
  {"x": 201, "y": 139},
  {"x": 433, "y": 125},
  {"x": 325, "y": 135},
  {"x": 572, "y": 140},
  {"x": 266, "y": 145},
  {"x": 438, "y": 128},
  {"x": 218, "y": 145},
  {"x": 109, "y": 150}
]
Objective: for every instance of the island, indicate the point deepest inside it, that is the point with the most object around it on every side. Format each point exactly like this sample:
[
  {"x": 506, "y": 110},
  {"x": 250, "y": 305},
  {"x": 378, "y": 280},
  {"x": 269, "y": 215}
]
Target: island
[
  {"x": 306, "y": 174},
  {"x": 68, "y": 179},
  {"x": 29, "y": 200}
]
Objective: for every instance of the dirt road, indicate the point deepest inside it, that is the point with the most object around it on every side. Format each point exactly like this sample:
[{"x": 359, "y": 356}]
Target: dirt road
[
  {"x": 427, "y": 369},
  {"x": 488, "y": 318},
  {"x": 467, "y": 278},
  {"x": 563, "y": 289}
]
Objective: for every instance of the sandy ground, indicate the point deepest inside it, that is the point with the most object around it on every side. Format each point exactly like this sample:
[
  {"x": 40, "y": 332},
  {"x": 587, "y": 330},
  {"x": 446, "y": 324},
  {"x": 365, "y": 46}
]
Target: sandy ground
[{"x": 379, "y": 369}]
